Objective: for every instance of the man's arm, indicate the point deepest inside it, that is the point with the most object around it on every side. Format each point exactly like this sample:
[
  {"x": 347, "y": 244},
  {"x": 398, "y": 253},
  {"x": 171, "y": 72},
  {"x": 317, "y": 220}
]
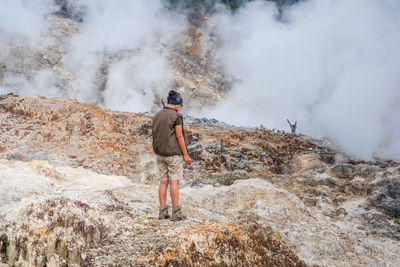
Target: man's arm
[{"x": 181, "y": 142}]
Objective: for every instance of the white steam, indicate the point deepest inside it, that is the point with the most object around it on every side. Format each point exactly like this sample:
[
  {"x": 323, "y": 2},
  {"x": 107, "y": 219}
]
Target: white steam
[
  {"x": 23, "y": 18},
  {"x": 21, "y": 26},
  {"x": 137, "y": 77},
  {"x": 113, "y": 27},
  {"x": 129, "y": 35},
  {"x": 331, "y": 65}
]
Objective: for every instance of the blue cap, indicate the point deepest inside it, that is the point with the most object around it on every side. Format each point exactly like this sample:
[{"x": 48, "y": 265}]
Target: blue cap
[{"x": 174, "y": 98}]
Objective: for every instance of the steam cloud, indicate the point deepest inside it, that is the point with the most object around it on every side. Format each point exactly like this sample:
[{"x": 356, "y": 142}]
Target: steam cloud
[
  {"x": 331, "y": 65},
  {"x": 114, "y": 26},
  {"x": 129, "y": 35}
]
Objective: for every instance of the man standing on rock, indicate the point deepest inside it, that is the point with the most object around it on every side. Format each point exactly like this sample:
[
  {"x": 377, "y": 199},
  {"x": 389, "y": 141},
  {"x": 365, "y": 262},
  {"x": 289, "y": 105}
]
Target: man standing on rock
[{"x": 169, "y": 144}]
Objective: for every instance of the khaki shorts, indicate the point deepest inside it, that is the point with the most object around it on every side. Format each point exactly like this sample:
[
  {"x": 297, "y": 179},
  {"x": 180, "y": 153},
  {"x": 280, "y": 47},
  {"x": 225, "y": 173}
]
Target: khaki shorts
[{"x": 170, "y": 167}]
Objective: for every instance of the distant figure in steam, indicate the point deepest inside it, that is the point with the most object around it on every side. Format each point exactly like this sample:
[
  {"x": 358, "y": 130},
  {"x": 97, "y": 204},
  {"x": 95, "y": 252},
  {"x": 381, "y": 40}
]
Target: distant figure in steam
[
  {"x": 293, "y": 127},
  {"x": 169, "y": 144}
]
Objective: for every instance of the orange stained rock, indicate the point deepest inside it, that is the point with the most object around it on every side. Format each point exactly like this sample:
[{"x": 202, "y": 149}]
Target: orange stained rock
[
  {"x": 238, "y": 232},
  {"x": 80, "y": 134},
  {"x": 277, "y": 236},
  {"x": 149, "y": 146},
  {"x": 264, "y": 172},
  {"x": 170, "y": 253},
  {"x": 184, "y": 254},
  {"x": 42, "y": 231}
]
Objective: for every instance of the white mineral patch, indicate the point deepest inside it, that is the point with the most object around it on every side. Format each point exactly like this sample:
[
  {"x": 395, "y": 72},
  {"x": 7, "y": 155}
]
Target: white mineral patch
[
  {"x": 39, "y": 179},
  {"x": 315, "y": 237}
]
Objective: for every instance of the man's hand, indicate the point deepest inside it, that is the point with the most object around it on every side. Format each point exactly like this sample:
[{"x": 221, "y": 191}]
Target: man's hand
[{"x": 188, "y": 160}]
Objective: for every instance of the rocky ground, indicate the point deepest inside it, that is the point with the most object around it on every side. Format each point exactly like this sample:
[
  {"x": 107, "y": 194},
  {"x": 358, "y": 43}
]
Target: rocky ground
[{"x": 79, "y": 187}]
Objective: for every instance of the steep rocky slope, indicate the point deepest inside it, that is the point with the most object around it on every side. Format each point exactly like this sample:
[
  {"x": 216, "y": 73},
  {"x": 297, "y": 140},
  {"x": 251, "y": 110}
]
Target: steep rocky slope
[{"x": 79, "y": 186}]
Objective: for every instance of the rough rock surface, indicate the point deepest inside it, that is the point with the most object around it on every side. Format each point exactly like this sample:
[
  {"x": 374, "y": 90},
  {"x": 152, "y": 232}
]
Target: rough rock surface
[
  {"x": 110, "y": 142},
  {"x": 387, "y": 192},
  {"x": 196, "y": 69},
  {"x": 78, "y": 186},
  {"x": 76, "y": 217}
]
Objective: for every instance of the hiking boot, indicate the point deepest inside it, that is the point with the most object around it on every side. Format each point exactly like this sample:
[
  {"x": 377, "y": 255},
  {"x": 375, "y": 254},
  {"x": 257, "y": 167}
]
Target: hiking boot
[
  {"x": 177, "y": 214},
  {"x": 163, "y": 212}
]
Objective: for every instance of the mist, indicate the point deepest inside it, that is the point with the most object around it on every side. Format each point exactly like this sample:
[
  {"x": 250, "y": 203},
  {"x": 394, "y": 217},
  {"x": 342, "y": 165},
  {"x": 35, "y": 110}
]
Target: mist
[
  {"x": 130, "y": 36},
  {"x": 138, "y": 27},
  {"x": 333, "y": 66}
]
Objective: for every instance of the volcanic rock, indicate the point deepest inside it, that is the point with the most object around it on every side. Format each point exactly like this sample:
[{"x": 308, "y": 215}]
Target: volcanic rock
[{"x": 78, "y": 186}]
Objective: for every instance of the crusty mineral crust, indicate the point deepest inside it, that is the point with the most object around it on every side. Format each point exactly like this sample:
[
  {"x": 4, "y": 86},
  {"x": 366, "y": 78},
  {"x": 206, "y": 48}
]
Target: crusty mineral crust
[
  {"x": 252, "y": 196},
  {"x": 110, "y": 142}
]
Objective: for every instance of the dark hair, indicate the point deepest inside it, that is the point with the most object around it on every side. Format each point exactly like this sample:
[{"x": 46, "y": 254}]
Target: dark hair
[
  {"x": 172, "y": 92},
  {"x": 174, "y": 98}
]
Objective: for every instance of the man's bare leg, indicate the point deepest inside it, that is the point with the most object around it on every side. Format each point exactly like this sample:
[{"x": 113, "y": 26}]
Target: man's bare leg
[
  {"x": 176, "y": 209},
  {"x": 174, "y": 191},
  {"x": 162, "y": 196},
  {"x": 162, "y": 192}
]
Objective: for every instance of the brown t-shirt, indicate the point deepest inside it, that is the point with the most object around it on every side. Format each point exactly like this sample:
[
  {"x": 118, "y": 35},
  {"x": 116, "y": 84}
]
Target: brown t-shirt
[{"x": 165, "y": 142}]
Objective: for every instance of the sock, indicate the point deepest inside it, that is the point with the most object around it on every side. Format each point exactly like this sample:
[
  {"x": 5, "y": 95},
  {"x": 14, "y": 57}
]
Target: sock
[
  {"x": 175, "y": 207},
  {"x": 163, "y": 206}
]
